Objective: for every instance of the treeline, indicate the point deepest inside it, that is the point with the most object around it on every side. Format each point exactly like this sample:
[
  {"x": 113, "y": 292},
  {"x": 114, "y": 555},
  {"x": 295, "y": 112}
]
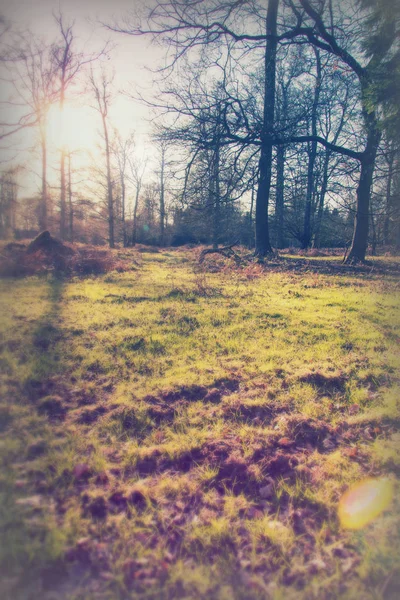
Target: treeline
[
  {"x": 278, "y": 126},
  {"x": 183, "y": 225}
]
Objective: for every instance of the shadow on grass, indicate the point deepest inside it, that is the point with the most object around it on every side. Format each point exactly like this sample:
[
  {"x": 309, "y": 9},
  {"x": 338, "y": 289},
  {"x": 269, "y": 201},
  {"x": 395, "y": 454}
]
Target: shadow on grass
[
  {"x": 335, "y": 266},
  {"x": 30, "y": 542},
  {"x": 47, "y": 364}
]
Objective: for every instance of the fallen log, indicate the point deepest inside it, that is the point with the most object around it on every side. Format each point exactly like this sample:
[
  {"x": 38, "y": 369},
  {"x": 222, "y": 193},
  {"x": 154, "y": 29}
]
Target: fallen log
[{"x": 226, "y": 251}]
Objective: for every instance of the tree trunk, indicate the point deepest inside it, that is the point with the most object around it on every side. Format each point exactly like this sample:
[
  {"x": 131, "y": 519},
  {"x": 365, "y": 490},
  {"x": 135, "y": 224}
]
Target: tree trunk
[
  {"x": 321, "y": 203},
  {"x": 2, "y": 205},
  {"x": 359, "y": 242},
  {"x": 64, "y": 64},
  {"x": 216, "y": 189},
  {"x": 251, "y": 224},
  {"x": 216, "y": 222},
  {"x": 374, "y": 240},
  {"x": 43, "y": 200},
  {"x": 123, "y": 193},
  {"x": 396, "y": 233},
  {"x": 135, "y": 209},
  {"x": 386, "y": 225},
  {"x": 110, "y": 200},
  {"x": 63, "y": 208},
  {"x": 13, "y": 215},
  {"x": 8, "y": 201},
  {"x": 70, "y": 207},
  {"x": 162, "y": 198},
  {"x": 360, "y": 236},
  {"x": 280, "y": 186},
  {"x": 263, "y": 244},
  {"x": 62, "y": 196},
  {"x": 307, "y": 229}
]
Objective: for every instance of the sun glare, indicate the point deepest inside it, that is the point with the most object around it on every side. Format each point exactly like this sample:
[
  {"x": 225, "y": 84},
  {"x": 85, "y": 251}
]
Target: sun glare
[{"x": 71, "y": 128}]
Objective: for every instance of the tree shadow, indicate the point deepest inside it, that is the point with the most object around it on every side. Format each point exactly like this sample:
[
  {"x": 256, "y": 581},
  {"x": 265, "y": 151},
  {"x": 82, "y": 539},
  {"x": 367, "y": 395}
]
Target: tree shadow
[
  {"x": 46, "y": 368},
  {"x": 33, "y": 548},
  {"x": 336, "y": 267}
]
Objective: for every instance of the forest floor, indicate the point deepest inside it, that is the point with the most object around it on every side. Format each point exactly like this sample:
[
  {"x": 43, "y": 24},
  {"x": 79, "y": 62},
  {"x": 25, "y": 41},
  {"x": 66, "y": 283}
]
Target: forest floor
[{"x": 171, "y": 431}]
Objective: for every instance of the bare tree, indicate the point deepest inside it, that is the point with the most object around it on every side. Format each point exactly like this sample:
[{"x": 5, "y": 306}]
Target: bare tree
[
  {"x": 210, "y": 29},
  {"x": 380, "y": 56},
  {"x": 163, "y": 151},
  {"x": 213, "y": 27},
  {"x": 101, "y": 89},
  {"x": 71, "y": 182},
  {"x": 162, "y": 171},
  {"x": 122, "y": 152},
  {"x": 36, "y": 87},
  {"x": 8, "y": 203},
  {"x": 67, "y": 68},
  {"x": 184, "y": 27},
  {"x": 18, "y": 115},
  {"x": 68, "y": 63},
  {"x": 137, "y": 171},
  {"x": 213, "y": 170},
  {"x": 391, "y": 155}
]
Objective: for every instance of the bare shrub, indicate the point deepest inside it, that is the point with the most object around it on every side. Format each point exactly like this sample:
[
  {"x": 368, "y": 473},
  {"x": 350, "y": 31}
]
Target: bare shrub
[
  {"x": 92, "y": 261},
  {"x": 19, "y": 260}
]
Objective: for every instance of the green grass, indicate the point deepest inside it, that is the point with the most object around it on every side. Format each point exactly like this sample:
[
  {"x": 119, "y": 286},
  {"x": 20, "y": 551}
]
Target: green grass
[{"x": 143, "y": 414}]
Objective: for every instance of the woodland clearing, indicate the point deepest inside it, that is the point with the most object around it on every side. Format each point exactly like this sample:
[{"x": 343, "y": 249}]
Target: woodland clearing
[{"x": 171, "y": 430}]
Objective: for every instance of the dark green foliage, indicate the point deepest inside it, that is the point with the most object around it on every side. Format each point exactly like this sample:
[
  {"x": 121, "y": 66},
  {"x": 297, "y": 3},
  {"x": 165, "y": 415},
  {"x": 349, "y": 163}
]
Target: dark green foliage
[{"x": 382, "y": 46}]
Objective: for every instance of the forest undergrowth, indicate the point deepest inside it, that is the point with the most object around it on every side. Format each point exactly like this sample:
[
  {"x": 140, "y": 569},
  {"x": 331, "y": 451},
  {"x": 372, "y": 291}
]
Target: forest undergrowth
[{"x": 185, "y": 431}]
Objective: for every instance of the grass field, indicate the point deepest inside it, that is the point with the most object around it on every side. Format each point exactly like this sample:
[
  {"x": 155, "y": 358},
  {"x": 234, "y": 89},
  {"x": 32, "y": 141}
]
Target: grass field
[{"x": 176, "y": 432}]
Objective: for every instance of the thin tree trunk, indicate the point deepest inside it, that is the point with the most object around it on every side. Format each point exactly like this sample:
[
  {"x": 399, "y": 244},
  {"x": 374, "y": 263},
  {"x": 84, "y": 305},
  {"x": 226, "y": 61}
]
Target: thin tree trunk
[
  {"x": 251, "y": 217},
  {"x": 62, "y": 196},
  {"x": 396, "y": 234},
  {"x": 64, "y": 63},
  {"x": 386, "y": 225},
  {"x": 263, "y": 244},
  {"x": 321, "y": 203},
  {"x": 135, "y": 209},
  {"x": 123, "y": 191},
  {"x": 63, "y": 208},
  {"x": 70, "y": 207},
  {"x": 2, "y": 203},
  {"x": 14, "y": 191},
  {"x": 110, "y": 200},
  {"x": 216, "y": 222},
  {"x": 216, "y": 204},
  {"x": 43, "y": 200},
  {"x": 280, "y": 187},
  {"x": 251, "y": 207},
  {"x": 162, "y": 198},
  {"x": 8, "y": 201},
  {"x": 307, "y": 229},
  {"x": 374, "y": 240}
]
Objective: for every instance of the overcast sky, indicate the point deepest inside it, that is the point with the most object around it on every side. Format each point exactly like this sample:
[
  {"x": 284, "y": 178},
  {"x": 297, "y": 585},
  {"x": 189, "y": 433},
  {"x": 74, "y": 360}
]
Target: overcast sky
[{"x": 129, "y": 58}]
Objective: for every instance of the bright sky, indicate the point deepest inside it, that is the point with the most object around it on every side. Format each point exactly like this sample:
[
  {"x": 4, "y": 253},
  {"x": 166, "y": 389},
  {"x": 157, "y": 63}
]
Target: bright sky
[{"x": 129, "y": 58}]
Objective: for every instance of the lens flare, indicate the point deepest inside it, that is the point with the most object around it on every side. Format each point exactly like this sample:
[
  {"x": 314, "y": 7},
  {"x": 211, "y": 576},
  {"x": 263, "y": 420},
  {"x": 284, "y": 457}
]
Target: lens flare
[
  {"x": 364, "y": 502},
  {"x": 70, "y": 128}
]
